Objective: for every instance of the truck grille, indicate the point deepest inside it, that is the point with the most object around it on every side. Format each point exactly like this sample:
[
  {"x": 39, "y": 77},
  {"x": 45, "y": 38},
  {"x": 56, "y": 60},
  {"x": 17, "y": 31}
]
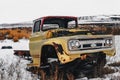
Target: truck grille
[{"x": 93, "y": 43}]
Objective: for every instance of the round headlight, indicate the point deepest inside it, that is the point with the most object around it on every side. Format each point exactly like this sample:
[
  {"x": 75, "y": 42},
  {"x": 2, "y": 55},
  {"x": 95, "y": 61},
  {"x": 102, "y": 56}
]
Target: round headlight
[
  {"x": 77, "y": 44},
  {"x": 74, "y": 44},
  {"x": 111, "y": 42},
  {"x": 107, "y": 41}
]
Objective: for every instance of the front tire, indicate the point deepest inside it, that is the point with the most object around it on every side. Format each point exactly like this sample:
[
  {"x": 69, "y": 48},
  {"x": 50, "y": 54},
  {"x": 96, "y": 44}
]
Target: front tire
[{"x": 98, "y": 68}]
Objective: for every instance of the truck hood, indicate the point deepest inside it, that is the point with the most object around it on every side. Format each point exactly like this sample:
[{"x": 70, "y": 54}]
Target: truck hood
[{"x": 69, "y": 32}]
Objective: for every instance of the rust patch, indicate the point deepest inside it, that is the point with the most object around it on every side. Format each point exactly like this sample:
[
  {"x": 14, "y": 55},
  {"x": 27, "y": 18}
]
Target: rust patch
[{"x": 36, "y": 56}]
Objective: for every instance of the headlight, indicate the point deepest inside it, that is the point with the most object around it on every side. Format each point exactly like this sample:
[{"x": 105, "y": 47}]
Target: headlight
[
  {"x": 74, "y": 44},
  {"x": 111, "y": 41},
  {"x": 108, "y": 42}
]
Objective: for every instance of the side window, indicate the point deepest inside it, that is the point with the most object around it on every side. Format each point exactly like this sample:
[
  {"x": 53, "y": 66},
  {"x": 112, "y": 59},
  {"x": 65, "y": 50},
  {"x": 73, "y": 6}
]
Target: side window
[
  {"x": 37, "y": 26},
  {"x": 71, "y": 24}
]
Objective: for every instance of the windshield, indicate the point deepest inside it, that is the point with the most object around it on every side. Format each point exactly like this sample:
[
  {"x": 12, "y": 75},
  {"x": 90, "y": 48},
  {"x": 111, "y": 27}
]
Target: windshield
[
  {"x": 50, "y": 26},
  {"x": 58, "y": 23}
]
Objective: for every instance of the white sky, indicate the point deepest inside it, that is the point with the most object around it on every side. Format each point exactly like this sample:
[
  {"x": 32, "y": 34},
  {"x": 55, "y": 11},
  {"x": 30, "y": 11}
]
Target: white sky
[{"x": 12, "y": 11}]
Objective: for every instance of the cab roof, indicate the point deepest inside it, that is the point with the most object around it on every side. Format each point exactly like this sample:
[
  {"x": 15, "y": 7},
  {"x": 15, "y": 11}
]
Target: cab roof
[{"x": 45, "y": 17}]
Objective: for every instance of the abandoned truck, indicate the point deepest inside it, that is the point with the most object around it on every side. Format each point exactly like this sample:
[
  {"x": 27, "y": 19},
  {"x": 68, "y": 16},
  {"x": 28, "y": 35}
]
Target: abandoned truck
[{"x": 58, "y": 40}]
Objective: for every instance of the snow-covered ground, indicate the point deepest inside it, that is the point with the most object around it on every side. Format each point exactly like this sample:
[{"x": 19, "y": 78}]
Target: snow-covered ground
[
  {"x": 22, "y": 44},
  {"x": 13, "y": 67},
  {"x": 115, "y": 58}
]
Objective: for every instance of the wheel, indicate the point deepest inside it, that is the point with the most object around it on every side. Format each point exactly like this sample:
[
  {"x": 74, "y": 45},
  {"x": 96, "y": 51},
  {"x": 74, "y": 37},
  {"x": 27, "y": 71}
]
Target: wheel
[
  {"x": 98, "y": 69},
  {"x": 53, "y": 67}
]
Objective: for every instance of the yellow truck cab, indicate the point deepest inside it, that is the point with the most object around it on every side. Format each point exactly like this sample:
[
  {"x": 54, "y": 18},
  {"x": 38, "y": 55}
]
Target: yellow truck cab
[{"x": 58, "y": 39}]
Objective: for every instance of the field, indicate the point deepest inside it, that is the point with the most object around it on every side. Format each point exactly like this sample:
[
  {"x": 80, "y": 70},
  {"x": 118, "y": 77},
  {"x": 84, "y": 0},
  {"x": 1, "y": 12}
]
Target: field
[
  {"x": 102, "y": 28},
  {"x": 14, "y": 68},
  {"x": 15, "y": 33},
  {"x": 19, "y": 33}
]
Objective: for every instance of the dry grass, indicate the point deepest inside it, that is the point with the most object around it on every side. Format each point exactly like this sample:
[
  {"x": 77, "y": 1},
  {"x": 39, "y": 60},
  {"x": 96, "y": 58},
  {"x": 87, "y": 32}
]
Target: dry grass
[
  {"x": 61, "y": 75},
  {"x": 102, "y": 28},
  {"x": 56, "y": 75},
  {"x": 109, "y": 70},
  {"x": 115, "y": 64},
  {"x": 15, "y": 33}
]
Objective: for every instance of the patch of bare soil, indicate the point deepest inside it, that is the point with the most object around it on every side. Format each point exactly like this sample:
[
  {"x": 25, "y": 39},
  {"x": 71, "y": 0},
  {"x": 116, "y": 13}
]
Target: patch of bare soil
[
  {"x": 115, "y": 64},
  {"x": 111, "y": 68}
]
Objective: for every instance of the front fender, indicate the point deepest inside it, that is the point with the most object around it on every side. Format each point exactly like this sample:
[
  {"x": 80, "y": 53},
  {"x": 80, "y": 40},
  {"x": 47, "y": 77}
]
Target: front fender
[
  {"x": 60, "y": 46},
  {"x": 62, "y": 42}
]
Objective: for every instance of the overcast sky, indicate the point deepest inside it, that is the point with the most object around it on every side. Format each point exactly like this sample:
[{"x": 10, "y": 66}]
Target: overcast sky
[{"x": 13, "y": 11}]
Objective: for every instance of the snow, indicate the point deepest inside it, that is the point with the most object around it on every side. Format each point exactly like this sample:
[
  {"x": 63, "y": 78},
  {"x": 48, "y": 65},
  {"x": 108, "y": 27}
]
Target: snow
[
  {"x": 114, "y": 76},
  {"x": 22, "y": 44},
  {"x": 115, "y": 58},
  {"x": 13, "y": 67}
]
